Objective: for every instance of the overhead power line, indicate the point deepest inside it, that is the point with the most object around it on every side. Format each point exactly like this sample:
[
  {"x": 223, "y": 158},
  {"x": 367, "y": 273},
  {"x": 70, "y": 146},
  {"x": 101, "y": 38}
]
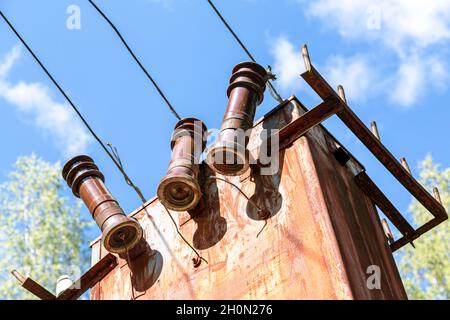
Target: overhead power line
[
  {"x": 231, "y": 30},
  {"x": 113, "y": 154},
  {"x": 161, "y": 93},
  {"x": 164, "y": 98},
  {"x": 272, "y": 90},
  {"x": 74, "y": 107}
]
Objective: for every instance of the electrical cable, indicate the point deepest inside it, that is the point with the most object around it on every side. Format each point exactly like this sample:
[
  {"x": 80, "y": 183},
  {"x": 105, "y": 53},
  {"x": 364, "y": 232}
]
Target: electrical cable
[
  {"x": 273, "y": 92},
  {"x": 74, "y": 107},
  {"x": 113, "y": 154},
  {"x": 266, "y": 214},
  {"x": 161, "y": 93},
  {"x": 116, "y": 155},
  {"x": 181, "y": 235}
]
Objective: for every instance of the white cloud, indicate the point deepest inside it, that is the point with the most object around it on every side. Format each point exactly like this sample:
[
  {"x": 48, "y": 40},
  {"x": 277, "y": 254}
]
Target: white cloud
[
  {"x": 354, "y": 73},
  {"x": 34, "y": 100},
  {"x": 438, "y": 72},
  {"x": 408, "y": 83},
  {"x": 401, "y": 23},
  {"x": 167, "y": 4},
  {"x": 288, "y": 64},
  {"x": 8, "y": 61},
  {"x": 413, "y": 76},
  {"x": 414, "y": 33}
]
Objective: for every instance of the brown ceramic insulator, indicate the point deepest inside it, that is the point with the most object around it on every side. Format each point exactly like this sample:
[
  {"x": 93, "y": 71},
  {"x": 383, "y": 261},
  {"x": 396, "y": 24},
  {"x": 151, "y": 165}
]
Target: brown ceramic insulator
[
  {"x": 119, "y": 232},
  {"x": 179, "y": 189},
  {"x": 229, "y": 155}
]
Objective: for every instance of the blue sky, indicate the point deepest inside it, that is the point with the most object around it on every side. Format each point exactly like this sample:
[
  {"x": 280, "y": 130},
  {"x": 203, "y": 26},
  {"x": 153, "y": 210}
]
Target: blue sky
[{"x": 391, "y": 56}]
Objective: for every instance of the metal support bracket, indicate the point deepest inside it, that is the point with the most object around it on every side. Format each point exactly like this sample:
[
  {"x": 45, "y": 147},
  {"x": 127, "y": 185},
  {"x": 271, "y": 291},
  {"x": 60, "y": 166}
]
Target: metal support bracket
[
  {"x": 335, "y": 104},
  {"x": 33, "y": 287},
  {"x": 86, "y": 281}
]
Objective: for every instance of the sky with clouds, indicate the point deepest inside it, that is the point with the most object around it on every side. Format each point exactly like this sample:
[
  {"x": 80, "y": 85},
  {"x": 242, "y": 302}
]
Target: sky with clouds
[
  {"x": 390, "y": 55},
  {"x": 35, "y": 100}
]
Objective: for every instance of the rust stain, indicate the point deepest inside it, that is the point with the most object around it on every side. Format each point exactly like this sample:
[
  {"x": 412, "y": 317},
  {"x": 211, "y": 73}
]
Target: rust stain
[{"x": 317, "y": 243}]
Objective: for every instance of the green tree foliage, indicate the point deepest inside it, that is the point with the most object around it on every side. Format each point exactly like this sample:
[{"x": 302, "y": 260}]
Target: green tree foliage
[
  {"x": 426, "y": 269},
  {"x": 41, "y": 235}
]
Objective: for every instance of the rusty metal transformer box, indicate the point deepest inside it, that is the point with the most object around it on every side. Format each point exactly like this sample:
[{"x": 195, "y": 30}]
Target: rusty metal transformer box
[{"x": 322, "y": 235}]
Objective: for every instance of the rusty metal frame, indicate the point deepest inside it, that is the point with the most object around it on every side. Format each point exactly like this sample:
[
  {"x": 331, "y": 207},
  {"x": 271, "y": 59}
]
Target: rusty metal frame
[
  {"x": 96, "y": 273},
  {"x": 33, "y": 287},
  {"x": 86, "y": 281},
  {"x": 336, "y": 104}
]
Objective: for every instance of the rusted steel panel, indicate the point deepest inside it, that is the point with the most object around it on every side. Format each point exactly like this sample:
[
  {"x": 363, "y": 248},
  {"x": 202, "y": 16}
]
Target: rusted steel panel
[
  {"x": 321, "y": 236},
  {"x": 357, "y": 228}
]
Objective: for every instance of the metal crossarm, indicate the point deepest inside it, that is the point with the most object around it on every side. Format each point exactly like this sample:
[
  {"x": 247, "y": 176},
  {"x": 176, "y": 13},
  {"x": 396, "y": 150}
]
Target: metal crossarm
[
  {"x": 90, "y": 278},
  {"x": 33, "y": 287},
  {"x": 335, "y": 104},
  {"x": 86, "y": 281}
]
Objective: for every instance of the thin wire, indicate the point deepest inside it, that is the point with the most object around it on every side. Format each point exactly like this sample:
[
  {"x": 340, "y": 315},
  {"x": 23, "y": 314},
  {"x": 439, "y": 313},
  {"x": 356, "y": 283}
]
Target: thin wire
[
  {"x": 273, "y": 92},
  {"x": 266, "y": 213},
  {"x": 191, "y": 218},
  {"x": 129, "y": 266},
  {"x": 138, "y": 191},
  {"x": 161, "y": 93},
  {"x": 67, "y": 98},
  {"x": 231, "y": 30},
  {"x": 127, "y": 180},
  {"x": 239, "y": 189},
  {"x": 113, "y": 154},
  {"x": 264, "y": 226},
  {"x": 181, "y": 235}
]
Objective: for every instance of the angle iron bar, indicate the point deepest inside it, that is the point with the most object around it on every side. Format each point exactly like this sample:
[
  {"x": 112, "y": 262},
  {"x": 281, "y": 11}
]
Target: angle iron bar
[
  {"x": 89, "y": 278},
  {"x": 351, "y": 120},
  {"x": 33, "y": 287}
]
